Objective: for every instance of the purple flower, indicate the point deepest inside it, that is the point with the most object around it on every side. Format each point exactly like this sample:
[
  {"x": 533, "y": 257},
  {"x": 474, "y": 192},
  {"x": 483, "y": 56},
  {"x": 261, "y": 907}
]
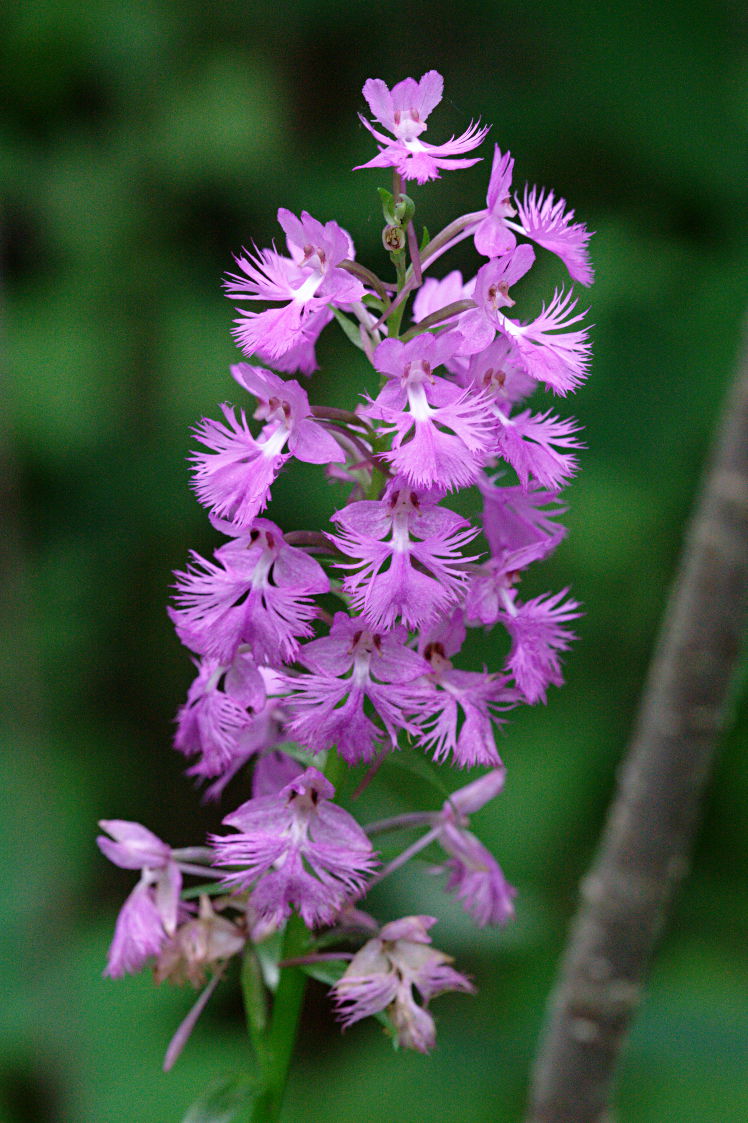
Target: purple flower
[
  {"x": 538, "y": 637},
  {"x": 388, "y": 539},
  {"x": 235, "y": 481},
  {"x": 303, "y": 283},
  {"x": 441, "y": 434},
  {"x": 296, "y": 848},
  {"x": 491, "y": 293},
  {"x": 211, "y": 721},
  {"x": 232, "y": 713},
  {"x": 516, "y": 518},
  {"x": 535, "y": 443},
  {"x": 349, "y": 667},
  {"x": 384, "y": 973},
  {"x": 151, "y": 912},
  {"x": 459, "y": 709},
  {"x": 403, "y": 112},
  {"x": 475, "y": 876},
  {"x": 260, "y": 593},
  {"x": 540, "y": 217}
]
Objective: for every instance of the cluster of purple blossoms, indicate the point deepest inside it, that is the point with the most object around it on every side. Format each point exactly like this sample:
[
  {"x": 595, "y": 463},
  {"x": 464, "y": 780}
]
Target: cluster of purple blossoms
[{"x": 292, "y": 688}]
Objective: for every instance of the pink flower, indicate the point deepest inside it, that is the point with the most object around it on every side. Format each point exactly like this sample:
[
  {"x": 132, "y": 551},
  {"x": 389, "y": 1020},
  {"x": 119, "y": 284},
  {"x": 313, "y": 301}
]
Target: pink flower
[
  {"x": 258, "y": 592},
  {"x": 212, "y": 720},
  {"x": 476, "y": 878},
  {"x": 235, "y": 481},
  {"x": 549, "y": 352},
  {"x": 151, "y": 912},
  {"x": 296, "y": 848},
  {"x": 441, "y": 434},
  {"x": 493, "y": 238},
  {"x": 403, "y": 112},
  {"x": 459, "y": 708},
  {"x": 536, "y": 445},
  {"x": 303, "y": 284},
  {"x": 388, "y": 538},
  {"x": 349, "y": 667},
  {"x": 491, "y": 294},
  {"x": 540, "y": 217},
  {"x": 384, "y": 974}
]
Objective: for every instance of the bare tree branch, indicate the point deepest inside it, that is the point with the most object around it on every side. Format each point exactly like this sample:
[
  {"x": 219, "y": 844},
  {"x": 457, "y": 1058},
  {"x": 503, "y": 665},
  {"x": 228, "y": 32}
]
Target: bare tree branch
[{"x": 646, "y": 844}]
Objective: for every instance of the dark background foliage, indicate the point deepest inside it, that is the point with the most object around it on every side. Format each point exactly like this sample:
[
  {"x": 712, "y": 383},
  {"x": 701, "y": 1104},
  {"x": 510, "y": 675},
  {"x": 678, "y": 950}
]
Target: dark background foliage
[{"x": 140, "y": 145}]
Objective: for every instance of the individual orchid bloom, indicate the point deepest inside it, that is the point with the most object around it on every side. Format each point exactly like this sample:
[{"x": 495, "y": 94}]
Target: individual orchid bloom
[
  {"x": 539, "y": 636},
  {"x": 151, "y": 912},
  {"x": 301, "y": 358},
  {"x": 459, "y": 710},
  {"x": 235, "y": 477},
  {"x": 384, "y": 973},
  {"x": 537, "y": 627},
  {"x": 537, "y": 446},
  {"x": 403, "y": 112},
  {"x": 475, "y": 877},
  {"x": 515, "y": 518},
  {"x": 259, "y": 592},
  {"x": 496, "y": 371},
  {"x": 350, "y": 666},
  {"x": 441, "y": 434},
  {"x": 296, "y": 848},
  {"x": 304, "y": 284},
  {"x": 539, "y": 216},
  {"x": 407, "y": 556},
  {"x": 212, "y": 720}
]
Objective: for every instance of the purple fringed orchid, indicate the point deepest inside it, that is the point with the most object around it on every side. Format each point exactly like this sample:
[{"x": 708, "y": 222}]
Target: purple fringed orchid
[
  {"x": 350, "y": 666},
  {"x": 384, "y": 974},
  {"x": 235, "y": 477},
  {"x": 346, "y": 643},
  {"x": 297, "y": 848},
  {"x": 403, "y": 112},
  {"x": 151, "y": 912},
  {"x": 541, "y": 217},
  {"x": 441, "y": 434},
  {"x": 260, "y": 593},
  {"x": 475, "y": 877},
  {"x": 304, "y": 283},
  {"x": 387, "y": 539}
]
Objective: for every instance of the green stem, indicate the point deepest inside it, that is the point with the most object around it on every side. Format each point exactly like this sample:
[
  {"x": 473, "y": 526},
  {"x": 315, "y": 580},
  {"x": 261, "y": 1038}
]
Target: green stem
[
  {"x": 277, "y": 1045},
  {"x": 255, "y": 1006}
]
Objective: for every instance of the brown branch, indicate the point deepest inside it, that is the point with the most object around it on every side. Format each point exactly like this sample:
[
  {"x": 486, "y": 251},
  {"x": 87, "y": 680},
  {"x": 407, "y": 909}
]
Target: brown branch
[{"x": 646, "y": 844}]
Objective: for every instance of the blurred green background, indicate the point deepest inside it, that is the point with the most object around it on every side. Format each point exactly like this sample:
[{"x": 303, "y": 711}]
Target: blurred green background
[{"x": 140, "y": 145}]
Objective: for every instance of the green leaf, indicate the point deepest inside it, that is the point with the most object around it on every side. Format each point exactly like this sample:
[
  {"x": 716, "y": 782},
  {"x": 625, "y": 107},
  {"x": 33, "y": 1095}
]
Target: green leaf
[
  {"x": 419, "y": 766},
  {"x": 425, "y": 239},
  {"x": 210, "y": 889},
  {"x": 327, "y": 972},
  {"x": 387, "y": 199},
  {"x": 223, "y": 1101},
  {"x": 348, "y": 326},
  {"x": 372, "y": 301}
]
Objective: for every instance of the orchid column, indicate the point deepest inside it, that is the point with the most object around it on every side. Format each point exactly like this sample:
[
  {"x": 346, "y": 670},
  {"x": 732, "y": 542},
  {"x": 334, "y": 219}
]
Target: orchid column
[{"x": 333, "y": 648}]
